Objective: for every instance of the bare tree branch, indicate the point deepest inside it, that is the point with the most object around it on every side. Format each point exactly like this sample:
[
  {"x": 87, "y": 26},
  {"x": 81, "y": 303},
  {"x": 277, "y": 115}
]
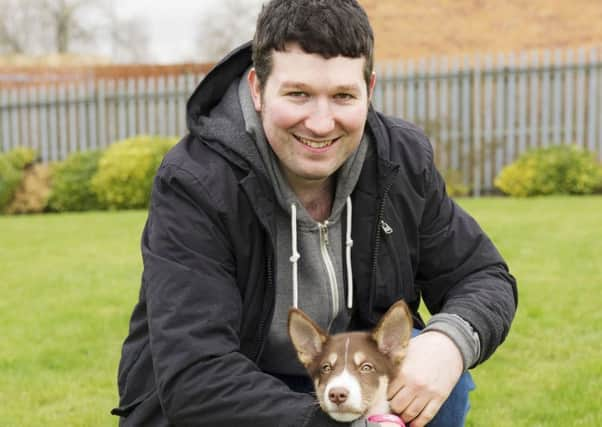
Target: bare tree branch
[
  {"x": 130, "y": 40},
  {"x": 70, "y": 26},
  {"x": 223, "y": 29},
  {"x": 17, "y": 34}
]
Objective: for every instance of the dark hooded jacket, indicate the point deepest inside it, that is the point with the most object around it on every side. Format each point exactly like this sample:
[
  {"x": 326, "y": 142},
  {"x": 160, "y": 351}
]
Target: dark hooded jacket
[{"x": 208, "y": 285}]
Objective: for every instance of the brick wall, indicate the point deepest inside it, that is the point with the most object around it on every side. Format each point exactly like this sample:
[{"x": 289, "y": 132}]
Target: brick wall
[{"x": 418, "y": 28}]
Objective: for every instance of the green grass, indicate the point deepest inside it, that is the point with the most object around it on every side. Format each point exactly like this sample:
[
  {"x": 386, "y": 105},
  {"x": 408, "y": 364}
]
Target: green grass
[{"x": 68, "y": 284}]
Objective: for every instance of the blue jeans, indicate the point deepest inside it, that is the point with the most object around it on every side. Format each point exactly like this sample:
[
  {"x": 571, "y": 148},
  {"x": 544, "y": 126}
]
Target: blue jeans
[{"x": 453, "y": 411}]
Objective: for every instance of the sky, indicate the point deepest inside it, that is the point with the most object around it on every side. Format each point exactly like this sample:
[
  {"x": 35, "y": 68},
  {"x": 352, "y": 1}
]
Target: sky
[{"x": 172, "y": 25}]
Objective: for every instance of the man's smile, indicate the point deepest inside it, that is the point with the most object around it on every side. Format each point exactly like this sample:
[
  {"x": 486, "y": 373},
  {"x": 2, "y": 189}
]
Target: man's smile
[{"x": 316, "y": 144}]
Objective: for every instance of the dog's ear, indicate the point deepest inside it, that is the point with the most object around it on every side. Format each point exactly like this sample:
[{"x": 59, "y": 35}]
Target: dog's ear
[
  {"x": 307, "y": 337},
  {"x": 393, "y": 332}
]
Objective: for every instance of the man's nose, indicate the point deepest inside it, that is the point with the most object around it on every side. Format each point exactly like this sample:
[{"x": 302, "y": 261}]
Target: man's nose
[{"x": 321, "y": 120}]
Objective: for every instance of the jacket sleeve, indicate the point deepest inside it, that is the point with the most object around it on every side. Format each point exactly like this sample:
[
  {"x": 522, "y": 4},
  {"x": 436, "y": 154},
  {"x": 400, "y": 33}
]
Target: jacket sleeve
[
  {"x": 460, "y": 271},
  {"x": 194, "y": 314}
]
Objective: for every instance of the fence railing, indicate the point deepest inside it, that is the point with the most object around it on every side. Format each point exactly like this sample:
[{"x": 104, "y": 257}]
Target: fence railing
[
  {"x": 64, "y": 117},
  {"x": 480, "y": 112}
]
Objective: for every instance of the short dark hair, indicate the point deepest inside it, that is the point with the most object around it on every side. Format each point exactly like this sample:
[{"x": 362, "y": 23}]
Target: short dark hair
[{"x": 327, "y": 27}]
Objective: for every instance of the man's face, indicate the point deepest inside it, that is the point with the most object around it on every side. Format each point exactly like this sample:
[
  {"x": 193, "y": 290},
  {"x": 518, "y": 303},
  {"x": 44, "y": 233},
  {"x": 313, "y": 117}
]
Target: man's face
[{"x": 313, "y": 112}]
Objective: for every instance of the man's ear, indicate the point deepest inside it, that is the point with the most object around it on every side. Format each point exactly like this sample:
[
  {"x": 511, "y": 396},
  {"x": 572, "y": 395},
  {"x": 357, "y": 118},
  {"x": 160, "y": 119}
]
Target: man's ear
[
  {"x": 307, "y": 337},
  {"x": 371, "y": 86},
  {"x": 393, "y": 332},
  {"x": 255, "y": 87}
]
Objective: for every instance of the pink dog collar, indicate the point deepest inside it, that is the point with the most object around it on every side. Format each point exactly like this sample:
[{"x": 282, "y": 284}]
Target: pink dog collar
[{"x": 386, "y": 418}]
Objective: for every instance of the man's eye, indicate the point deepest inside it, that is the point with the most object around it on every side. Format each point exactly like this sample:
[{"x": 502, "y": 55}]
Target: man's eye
[
  {"x": 344, "y": 96},
  {"x": 297, "y": 94}
]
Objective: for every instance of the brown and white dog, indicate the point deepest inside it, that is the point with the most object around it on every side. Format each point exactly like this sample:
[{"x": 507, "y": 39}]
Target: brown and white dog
[{"x": 351, "y": 371}]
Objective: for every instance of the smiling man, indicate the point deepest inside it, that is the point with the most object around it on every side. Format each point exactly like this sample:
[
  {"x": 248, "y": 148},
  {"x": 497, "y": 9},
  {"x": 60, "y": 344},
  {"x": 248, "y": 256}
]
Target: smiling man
[
  {"x": 313, "y": 114},
  {"x": 290, "y": 190}
]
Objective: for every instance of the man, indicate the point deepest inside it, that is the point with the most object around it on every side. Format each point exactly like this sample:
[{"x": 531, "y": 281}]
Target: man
[{"x": 291, "y": 190}]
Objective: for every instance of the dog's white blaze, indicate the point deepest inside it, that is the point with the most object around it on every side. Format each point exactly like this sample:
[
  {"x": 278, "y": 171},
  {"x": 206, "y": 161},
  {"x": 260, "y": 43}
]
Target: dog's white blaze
[
  {"x": 351, "y": 409},
  {"x": 346, "y": 352},
  {"x": 352, "y": 405}
]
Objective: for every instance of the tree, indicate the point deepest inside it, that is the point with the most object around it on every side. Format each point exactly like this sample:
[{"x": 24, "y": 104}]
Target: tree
[
  {"x": 129, "y": 40},
  {"x": 227, "y": 26},
  {"x": 69, "y": 26},
  {"x": 70, "y": 23},
  {"x": 17, "y": 34}
]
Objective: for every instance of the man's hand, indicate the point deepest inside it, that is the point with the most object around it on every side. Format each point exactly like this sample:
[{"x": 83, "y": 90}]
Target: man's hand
[{"x": 428, "y": 374}]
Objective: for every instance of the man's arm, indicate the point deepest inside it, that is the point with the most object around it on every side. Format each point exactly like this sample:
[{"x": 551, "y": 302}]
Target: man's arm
[
  {"x": 466, "y": 284},
  {"x": 462, "y": 274}
]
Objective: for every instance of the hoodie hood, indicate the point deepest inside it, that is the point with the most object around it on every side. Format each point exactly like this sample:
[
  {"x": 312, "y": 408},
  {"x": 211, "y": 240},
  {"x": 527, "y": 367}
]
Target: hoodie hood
[
  {"x": 215, "y": 84},
  {"x": 215, "y": 114}
]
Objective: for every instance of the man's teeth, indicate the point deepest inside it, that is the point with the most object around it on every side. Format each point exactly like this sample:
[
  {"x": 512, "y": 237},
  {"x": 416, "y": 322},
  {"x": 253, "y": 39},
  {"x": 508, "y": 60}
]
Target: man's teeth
[{"x": 316, "y": 144}]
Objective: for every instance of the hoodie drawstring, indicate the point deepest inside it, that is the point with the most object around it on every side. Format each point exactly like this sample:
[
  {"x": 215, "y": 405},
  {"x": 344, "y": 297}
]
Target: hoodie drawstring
[
  {"x": 294, "y": 259},
  {"x": 295, "y": 255},
  {"x": 348, "y": 245}
]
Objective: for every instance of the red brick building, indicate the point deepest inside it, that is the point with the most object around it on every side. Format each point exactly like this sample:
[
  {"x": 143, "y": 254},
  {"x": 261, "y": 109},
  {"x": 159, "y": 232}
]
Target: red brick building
[{"x": 418, "y": 28}]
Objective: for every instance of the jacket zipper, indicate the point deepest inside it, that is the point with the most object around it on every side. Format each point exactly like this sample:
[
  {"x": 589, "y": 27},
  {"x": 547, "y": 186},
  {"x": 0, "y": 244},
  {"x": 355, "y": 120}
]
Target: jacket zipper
[
  {"x": 381, "y": 225},
  {"x": 332, "y": 277},
  {"x": 259, "y": 340}
]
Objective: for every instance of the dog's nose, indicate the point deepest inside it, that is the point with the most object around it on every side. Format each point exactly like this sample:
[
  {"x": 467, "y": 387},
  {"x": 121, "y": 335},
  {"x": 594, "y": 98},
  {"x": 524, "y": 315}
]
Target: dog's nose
[{"x": 338, "y": 395}]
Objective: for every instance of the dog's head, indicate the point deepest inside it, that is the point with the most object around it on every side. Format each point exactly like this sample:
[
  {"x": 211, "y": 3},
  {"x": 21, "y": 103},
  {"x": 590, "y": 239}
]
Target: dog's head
[{"x": 351, "y": 371}]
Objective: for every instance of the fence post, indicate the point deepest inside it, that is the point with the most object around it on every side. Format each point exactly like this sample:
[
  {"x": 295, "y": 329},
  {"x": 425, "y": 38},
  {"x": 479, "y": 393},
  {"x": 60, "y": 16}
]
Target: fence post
[
  {"x": 545, "y": 100},
  {"x": 580, "y": 107},
  {"x": 42, "y": 102},
  {"x": 557, "y": 97},
  {"x": 477, "y": 151},
  {"x": 522, "y": 102},
  {"x": 89, "y": 91},
  {"x": 5, "y": 108},
  {"x": 488, "y": 139},
  {"x": 534, "y": 96},
  {"x": 443, "y": 114},
  {"x": 569, "y": 98}
]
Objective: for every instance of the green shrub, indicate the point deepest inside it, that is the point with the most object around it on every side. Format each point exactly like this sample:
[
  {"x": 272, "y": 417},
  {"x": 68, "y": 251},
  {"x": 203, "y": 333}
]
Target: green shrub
[
  {"x": 126, "y": 170},
  {"x": 20, "y": 157},
  {"x": 71, "y": 183},
  {"x": 10, "y": 177},
  {"x": 32, "y": 194},
  {"x": 12, "y": 164},
  {"x": 563, "y": 169}
]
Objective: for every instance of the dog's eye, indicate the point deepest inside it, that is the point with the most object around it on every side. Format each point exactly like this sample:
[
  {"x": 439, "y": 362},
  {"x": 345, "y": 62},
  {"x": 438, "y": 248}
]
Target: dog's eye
[
  {"x": 366, "y": 367},
  {"x": 326, "y": 368}
]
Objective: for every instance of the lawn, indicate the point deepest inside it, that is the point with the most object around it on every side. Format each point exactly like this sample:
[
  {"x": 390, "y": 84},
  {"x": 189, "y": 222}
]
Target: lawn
[{"x": 68, "y": 284}]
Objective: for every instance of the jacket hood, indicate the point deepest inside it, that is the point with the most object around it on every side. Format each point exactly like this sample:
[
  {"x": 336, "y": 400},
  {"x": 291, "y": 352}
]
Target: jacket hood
[
  {"x": 215, "y": 114},
  {"x": 214, "y": 85}
]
